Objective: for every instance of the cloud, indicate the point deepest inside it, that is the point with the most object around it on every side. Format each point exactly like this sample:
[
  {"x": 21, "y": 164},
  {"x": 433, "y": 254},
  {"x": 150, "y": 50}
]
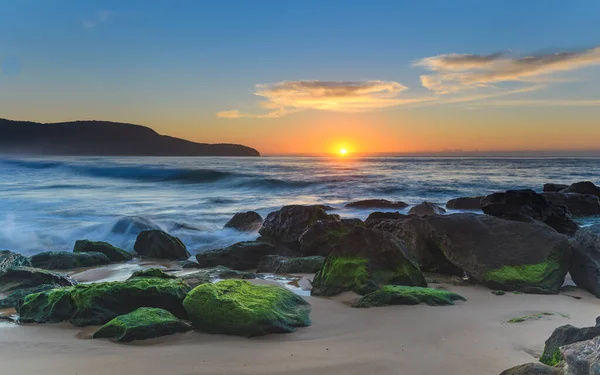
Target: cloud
[
  {"x": 457, "y": 72},
  {"x": 99, "y": 18}
]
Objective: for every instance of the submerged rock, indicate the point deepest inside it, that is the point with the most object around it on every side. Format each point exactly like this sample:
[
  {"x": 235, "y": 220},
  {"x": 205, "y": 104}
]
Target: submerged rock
[
  {"x": 582, "y": 358},
  {"x": 579, "y": 205},
  {"x": 152, "y": 272},
  {"x": 426, "y": 209},
  {"x": 322, "y": 235},
  {"x": 585, "y": 263},
  {"x": 533, "y": 369},
  {"x": 236, "y": 307},
  {"x": 240, "y": 256},
  {"x": 28, "y": 277},
  {"x": 114, "y": 254},
  {"x": 362, "y": 261},
  {"x": 566, "y": 335},
  {"x": 280, "y": 264},
  {"x": 376, "y": 203},
  {"x": 141, "y": 324},
  {"x": 161, "y": 245},
  {"x": 64, "y": 260},
  {"x": 584, "y": 187},
  {"x": 133, "y": 225},
  {"x": 245, "y": 221},
  {"x": 9, "y": 259},
  {"x": 464, "y": 203},
  {"x": 208, "y": 275},
  {"x": 408, "y": 295}
]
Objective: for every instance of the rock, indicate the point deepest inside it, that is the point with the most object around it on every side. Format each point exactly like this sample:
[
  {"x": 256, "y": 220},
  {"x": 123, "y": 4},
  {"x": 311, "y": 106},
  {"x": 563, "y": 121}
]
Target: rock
[
  {"x": 98, "y": 303},
  {"x": 287, "y": 225},
  {"x": 240, "y": 256},
  {"x": 161, "y": 245},
  {"x": 16, "y": 278},
  {"x": 208, "y": 275},
  {"x": 376, "y": 203},
  {"x": 64, "y": 260},
  {"x": 114, "y": 254},
  {"x": 324, "y": 207},
  {"x": 362, "y": 261},
  {"x": 9, "y": 259},
  {"x": 554, "y": 188},
  {"x": 141, "y": 324},
  {"x": 152, "y": 272},
  {"x": 566, "y": 335},
  {"x": 375, "y": 218},
  {"x": 133, "y": 225},
  {"x": 465, "y": 203},
  {"x": 582, "y": 358},
  {"x": 585, "y": 262},
  {"x": 529, "y": 206},
  {"x": 190, "y": 264},
  {"x": 426, "y": 209},
  {"x": 533, "y": 369},
  {"x": 236, "y": 307},
  {"x": 322, "y": 235},
  {"x": 584, "y": 187},
  {"x": 14, "y": 299},
  {"x": 504, "y": 255},
  {"x": 245, "y": 221},
  {"x": 280, "y": 264},
  {"x": 579, "y": 205},
  {"x": 408, "y": 295}
]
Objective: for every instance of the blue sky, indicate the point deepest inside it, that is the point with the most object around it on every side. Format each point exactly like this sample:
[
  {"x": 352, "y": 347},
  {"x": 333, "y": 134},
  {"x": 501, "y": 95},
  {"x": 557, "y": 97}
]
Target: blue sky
[{"x": 174, "y": 65}]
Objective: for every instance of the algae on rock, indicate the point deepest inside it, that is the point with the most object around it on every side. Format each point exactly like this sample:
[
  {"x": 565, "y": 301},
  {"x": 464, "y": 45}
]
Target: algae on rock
[{"x": 408, "y": 295}]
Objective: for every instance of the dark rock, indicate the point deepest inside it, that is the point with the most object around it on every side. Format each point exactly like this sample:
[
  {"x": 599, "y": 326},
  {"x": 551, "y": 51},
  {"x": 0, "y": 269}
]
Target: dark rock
[
  {"x": 279, "y": 264},
  {"x": 245, "y": 221},
  {"x": 465, "y": 203},
  {"x": 15, "y": 298},
  {"x": 528, "y": 206},
  {"x": 376, "y": 203},
  {"x": 208, "y": 275},
  {"x": 554, "y": 188},
  {"x": 320, "y": 237},
  {"x": 114, "y": 254},
  {"x": 582, "y": 358},
  {"x": 408, "y": 295},
  {"x": 161, "y": 245},
  {"x": 9, "y": 259},
  {"x": 240, "y": 256},
  {"x": 584, "y": 187},
  {"x": 579, "y": 205},
  {"x": 64, "y": 260},
  {"x": 190, "y": 264},
  {"x": 324, "y": 207},
  {"x": 533, "y": 369},
  {"x": 585, "y": 263},
  {"x": 152, "y": 272},
  {"x": 375, "y": 218},
  {"x": 426, "y": 209},
  {"x": 133, "y": 225},
  {"x": 16, "y": 278},
  {"x": 566, "y": 335},
  {"x": 362, "y": 261}
]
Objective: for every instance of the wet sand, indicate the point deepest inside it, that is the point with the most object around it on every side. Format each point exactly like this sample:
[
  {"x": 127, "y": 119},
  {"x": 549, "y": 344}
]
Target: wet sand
[{"x": 469, "y": 338}]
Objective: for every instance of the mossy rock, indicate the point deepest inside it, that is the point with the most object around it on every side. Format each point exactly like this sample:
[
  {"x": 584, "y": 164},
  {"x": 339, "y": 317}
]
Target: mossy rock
[
  {"x": 208, "y": 275},
  {"x": 237, "y": 307},
  {"x": 408, "y": 295},
  {"x": 566, "y": 335},
  {"x": 16, "y": 278},
  {"x": 281, "y": 264},
  {"x": 15, "y": 298},
  {"x": 94, "y": 304},
  {"x": 141, "y": 324},
  {"x": 114, "y": 254},
  {"x": 152, "y": 272},
  {"x": 9, "y": 259},
  {"x": 64, "y": 260}
]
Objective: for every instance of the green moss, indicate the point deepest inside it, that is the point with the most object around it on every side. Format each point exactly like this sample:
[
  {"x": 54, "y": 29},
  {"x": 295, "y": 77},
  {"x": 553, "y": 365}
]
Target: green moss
[
  {"x": 143, "y": 323},
  {"x": 521, "y": 319},
  {"x": 408, "y": 295},
  {"x": 152, "y": 272},
  {"x": 236, "y": 307},
  {"x": 499, "y": 292},
  {"x": 14, "y": 298},
  {"x": 341, "y": 274},
  {"x": 551, "y": 359}
]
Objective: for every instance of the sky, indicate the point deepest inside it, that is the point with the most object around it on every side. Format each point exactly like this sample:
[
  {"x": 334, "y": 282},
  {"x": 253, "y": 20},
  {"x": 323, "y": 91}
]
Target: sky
[{"x": 290, "y": 77}]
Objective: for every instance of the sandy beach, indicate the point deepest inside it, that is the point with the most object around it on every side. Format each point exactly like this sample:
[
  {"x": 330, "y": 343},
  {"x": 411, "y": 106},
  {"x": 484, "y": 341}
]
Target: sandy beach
[{"x": 471, "y": 337}]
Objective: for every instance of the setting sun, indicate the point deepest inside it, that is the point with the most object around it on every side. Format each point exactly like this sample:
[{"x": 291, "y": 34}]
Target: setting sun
[{"x": 343, "y": 151}]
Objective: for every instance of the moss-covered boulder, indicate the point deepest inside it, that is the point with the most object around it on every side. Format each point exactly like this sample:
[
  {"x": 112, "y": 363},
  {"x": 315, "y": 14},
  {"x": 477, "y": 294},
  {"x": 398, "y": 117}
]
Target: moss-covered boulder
[
  {"x": 15, "y": 298},
  {"x": 408, "y": 295},
  {"x": 245, "y": 221},
  {"x": 16, "y": 278},
  {"x": 113, "y": 253},
  {"x": 364, "y": 260},
  {"x": 236, "y": 307},
  {"x": 94, "y": 304},
  {"x": 207, "y": 275},
  {"x": 152, "y": 272},
  {"x": 141, "y": 324},
  {"x": 566, "y": 335},
  {"x": 10, "y": 259},
  {"x": 280, "y": 264},
  {"x": 320, "y": 237},
  {"x": 64, "y": 260},
  {"x": 161, "y": 245},
  {"x": 240, "y": 256}
]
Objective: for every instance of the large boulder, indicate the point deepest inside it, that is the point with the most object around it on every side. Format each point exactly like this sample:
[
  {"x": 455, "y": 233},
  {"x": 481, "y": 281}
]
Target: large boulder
[
  {"x": 16, "y": 278},
  {"x": 321, "y": 236},
  {"x": 566, "y": 335},
  {"x": 582, "y": 358},
  {"x": 377, "y": 217},
  {"x": 208, "y": 275},
  {"x": 236, "y": 307},
  {"x": 376, "y": 203},
  {"x": 280, "y": 264},
  {"x": 114, "y": 254},
  {"x": 464, "y": 203},
  {"x": 245, "y": 221},
  {"x": 584, "y": 187},
  {"x": 533, "y": 369},
  {"x": 579, "y": 205},
  {"x": 408, "y": 295},
  {"x": 364, "y": 260},
  {"x": 287, "y": 224},
  {"x": 141, "y": 324},
  {"x": 239, "y": 256},
  {"x": 426, "y": 209},
  {"x": 64, "y": 260},
  {"x": 554, "y": 188},
  {"x": 505, "y": 255},
  {"x": 9, "y": 259},
  {"x": 585, "y": 263},
  {"x": 158, "y": 244},
  {"x": 15, "y": 298},
  {"x": 98, "y": 303},
  {"x": 528, "y": 206}
]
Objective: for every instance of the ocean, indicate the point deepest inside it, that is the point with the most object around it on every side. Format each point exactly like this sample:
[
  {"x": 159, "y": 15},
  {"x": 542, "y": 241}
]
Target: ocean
[{"x": 49, "y": 203}]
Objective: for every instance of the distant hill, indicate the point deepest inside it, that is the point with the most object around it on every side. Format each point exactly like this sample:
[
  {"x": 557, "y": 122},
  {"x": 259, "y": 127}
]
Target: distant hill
[{"x": 103, "y": 138}]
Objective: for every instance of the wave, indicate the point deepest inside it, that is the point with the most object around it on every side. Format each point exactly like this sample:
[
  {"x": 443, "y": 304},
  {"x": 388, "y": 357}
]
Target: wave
[{"x": 31, "y": 164}]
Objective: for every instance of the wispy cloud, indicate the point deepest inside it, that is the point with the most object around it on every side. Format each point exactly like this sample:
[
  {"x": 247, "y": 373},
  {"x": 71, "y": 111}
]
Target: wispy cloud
[{"x": 99, "y": 18}]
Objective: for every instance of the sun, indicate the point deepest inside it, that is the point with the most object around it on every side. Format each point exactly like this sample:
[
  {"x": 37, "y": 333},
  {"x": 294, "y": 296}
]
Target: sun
[{"x": 343, "y": 151}]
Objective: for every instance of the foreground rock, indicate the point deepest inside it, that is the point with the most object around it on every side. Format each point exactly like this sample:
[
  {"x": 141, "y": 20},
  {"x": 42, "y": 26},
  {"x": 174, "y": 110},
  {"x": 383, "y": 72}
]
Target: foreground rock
[
  {"x": 208, "y": 275},
  {"x": 533, "y": 369},
  {"x": 240, "y": 256},
  {"x": 362, "y": 261},
  {"x": 16, "y": 278},
  {"x": 554, "y": 188},
  {"x": 579, "y": 205},
  {"x": 376, "y": 203},
  {"x": 15, "y": 298},
  {"x": 408, "y": 295},
  {"x": 465, "y": 203},
  {"x": 529, "y": 206},
  {"x": 152, "y": 272},
  {"x": 582, "y": 358},
  {"x": 584, "y": 187},
  {"x": 9, "y": 259},
  {"x": 426, "y": 209},
  {"x": 280, "y": 264},
  {"x": 322, "y": 235},
  {"x": 566, "y": 335},
  {"x": 64, "y": 260},
  {"x": 114, "y": 254},
  {"x": 236, "y": 307},
  {"x": 585, "y": 263},
  {"x": 141, "y": 324},
  {"x": 95, "y": 304},
  {"x": 245, "y": 221},
  {"x": 161, "y": 245}
]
